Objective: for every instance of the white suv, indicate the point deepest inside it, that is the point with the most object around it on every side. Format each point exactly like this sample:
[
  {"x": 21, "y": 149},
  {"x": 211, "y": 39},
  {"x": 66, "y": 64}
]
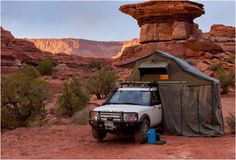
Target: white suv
[{"x": 128, "y": 110}]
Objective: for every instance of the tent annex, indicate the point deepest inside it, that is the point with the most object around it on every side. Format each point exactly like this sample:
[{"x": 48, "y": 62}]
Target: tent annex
[{"x": 190, "y": 99}]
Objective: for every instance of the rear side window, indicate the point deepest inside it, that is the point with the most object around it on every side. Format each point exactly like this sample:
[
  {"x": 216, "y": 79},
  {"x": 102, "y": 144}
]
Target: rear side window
[{"x": 156, "y": 98}]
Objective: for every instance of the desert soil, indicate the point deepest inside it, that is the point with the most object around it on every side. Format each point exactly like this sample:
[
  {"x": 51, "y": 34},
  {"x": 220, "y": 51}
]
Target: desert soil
[{"x": 76, "y": 141}]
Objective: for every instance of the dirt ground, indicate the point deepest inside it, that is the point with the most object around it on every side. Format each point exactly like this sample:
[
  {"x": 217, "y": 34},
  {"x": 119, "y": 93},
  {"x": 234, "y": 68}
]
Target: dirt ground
[{"x": 75, "y": 141}]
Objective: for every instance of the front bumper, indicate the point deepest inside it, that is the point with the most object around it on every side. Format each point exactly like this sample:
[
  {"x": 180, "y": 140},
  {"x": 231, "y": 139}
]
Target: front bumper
[{"x": 117, "y": 127}]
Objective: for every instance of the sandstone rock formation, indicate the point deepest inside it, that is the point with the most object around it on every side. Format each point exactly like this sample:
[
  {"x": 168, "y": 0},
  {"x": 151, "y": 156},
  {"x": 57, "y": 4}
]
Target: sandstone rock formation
[
  {"x": 165, "y": 20},
  {"x": 80, "y": 47},
  {"x": 16, "y": 52},
  {"x": 222, "y": 31},
  {"x": 201, "y": 50},
  {"x": 126, "y": 44}
]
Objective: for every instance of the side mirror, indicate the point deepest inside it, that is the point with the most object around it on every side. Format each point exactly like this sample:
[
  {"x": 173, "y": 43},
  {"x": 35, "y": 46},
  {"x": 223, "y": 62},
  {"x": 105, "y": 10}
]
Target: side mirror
[{"x": 114, "y": 89}]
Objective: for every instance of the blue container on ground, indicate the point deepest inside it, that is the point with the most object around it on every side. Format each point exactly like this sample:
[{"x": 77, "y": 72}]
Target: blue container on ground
[{"x": 152, "y": 136}]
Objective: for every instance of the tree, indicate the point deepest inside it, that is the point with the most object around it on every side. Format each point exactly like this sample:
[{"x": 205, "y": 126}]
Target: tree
[
  {"x": 73, "y": 98},
  {"x": 102, "y": 83},
  {"x": 22, "y": 98},
  {"x": 95, "y": 64},
  {"x": 45, "y": 67}
]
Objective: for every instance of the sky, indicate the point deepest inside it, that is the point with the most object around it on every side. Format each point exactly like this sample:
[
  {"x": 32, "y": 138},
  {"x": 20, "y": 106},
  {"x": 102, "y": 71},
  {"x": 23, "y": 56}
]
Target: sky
[{"x": 94, "y": 20}]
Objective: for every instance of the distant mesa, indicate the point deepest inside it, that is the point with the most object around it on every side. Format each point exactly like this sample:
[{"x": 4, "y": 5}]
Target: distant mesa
[
  {"x": 81, "y": 47},
  {"x": 165, "y": 20}
]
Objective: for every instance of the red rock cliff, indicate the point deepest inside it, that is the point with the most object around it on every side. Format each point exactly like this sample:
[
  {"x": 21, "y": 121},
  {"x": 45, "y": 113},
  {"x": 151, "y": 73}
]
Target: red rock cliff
[{"x": 81, "y": 47}]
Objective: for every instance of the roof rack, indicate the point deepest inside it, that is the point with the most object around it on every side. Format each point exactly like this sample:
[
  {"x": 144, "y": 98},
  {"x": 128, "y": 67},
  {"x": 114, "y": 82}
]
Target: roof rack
[{"x": 136, "y": 83}]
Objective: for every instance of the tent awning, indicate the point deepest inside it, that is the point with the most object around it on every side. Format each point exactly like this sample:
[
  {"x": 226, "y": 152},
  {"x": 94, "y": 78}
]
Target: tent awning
[{"x": 153, "y": 65}]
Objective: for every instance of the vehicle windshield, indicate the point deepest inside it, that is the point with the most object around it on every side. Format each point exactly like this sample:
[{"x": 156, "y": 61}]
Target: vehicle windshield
[{"x": 130, "y": 97}]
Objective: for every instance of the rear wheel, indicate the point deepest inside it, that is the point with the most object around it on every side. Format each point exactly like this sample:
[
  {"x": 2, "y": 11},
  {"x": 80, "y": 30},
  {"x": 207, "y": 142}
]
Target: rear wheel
[
  {"x": 141, "y": 135},
  {"x": 99, "y": 134}
]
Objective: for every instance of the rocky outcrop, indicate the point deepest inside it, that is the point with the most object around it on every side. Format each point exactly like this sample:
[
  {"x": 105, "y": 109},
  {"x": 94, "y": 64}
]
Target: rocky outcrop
[
  {"x": 16, "y": 52},
  {"x": 219, "y": 30},
  {"x": 165, "y": 20},
  {"x": 80, "y": 47},
  {"x": 161, "y": 30},
  {"x": 126, "y": 44}
]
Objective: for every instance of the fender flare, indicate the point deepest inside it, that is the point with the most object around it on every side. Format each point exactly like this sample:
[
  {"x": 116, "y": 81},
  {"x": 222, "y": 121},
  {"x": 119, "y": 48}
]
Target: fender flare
[{"x": 144, "y": 116}]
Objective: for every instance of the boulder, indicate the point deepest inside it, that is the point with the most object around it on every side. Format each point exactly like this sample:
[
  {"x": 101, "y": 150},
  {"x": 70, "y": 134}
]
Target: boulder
[{"x": 61, "y": 71}]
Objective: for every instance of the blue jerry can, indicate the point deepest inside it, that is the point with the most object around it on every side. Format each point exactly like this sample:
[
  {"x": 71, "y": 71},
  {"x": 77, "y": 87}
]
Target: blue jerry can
[{"x": 152, "y": 136}]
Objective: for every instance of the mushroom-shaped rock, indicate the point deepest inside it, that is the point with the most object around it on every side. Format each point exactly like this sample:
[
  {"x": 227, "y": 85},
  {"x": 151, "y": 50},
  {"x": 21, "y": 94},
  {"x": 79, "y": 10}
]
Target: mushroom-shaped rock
[{"x": 164, "y": 20}]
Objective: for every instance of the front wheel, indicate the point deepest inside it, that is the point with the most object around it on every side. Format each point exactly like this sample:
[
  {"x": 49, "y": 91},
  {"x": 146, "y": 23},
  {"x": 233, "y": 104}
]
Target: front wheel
[
  {"x": 141, "y": 135},
  {"x": 99, "y": 134}
]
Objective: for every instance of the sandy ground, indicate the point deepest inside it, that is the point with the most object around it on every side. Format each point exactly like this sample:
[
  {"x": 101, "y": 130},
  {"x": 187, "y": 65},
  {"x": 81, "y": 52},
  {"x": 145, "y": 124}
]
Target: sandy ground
[{"x": 75, "y": 141}]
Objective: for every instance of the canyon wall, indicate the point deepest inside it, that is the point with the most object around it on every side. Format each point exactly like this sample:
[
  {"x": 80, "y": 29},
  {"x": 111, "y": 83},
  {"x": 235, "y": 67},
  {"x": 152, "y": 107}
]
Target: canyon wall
[
  {"x": 81, "y": 47},
  {"x": 15, "y": 52}
]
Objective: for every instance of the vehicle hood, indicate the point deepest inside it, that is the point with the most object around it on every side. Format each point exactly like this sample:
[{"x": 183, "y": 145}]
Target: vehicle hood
[{"x": 121, "y": 108}]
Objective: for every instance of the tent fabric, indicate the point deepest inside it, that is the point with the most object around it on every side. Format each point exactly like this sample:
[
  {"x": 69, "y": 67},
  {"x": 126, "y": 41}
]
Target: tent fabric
[
  {"x": 184, "y": 65},
  {"x": 153, "y": 65},
  {"x": 190, "y": 99}
]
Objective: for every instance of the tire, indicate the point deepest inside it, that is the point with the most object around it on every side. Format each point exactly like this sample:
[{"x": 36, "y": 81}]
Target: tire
[
  {"x": 98, "y": 134},
  {"x": 141, "y": 135}
]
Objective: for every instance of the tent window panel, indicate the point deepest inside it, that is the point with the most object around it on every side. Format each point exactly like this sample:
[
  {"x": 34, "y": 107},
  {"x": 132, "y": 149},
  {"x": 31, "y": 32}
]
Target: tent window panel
[{"x": 144, "y": 71}]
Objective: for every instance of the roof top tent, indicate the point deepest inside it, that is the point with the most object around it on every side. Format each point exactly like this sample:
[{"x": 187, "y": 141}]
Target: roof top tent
[{"x": 190, "y": 99}]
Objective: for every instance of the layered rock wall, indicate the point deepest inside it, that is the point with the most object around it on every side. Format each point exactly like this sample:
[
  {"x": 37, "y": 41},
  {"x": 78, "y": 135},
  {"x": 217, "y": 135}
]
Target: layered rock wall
[{"x": 80, "y": 47}]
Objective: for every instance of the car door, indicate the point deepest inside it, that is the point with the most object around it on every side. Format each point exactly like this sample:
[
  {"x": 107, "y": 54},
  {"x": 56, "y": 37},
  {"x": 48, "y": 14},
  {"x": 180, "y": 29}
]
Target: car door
[{"x": 156, "y": 114}]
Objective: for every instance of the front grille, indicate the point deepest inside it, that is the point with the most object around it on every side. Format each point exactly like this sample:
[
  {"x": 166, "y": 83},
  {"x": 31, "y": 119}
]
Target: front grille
[{"x": 111, "y": 116}]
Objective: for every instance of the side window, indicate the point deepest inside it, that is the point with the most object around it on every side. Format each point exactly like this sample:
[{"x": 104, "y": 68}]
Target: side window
[{"x": 155, "y": 98}]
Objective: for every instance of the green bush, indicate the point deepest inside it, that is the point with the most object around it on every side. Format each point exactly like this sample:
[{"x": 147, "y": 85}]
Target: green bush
[
  {"x": 184, "y": 57},
  {"x": 226, "y": 79},
  {"x": 231, "y": 59},
  {"x": 95, "y": 64},
  {"x": 22, "y": 98},
  {"x": 45, "y": 67},
  {"x": 102, "y": 83},
  {"x": 81, "y": 117},
  {"x": 73, "y": 98},
  {"x": 231, "y": 122},
  {"x": 216, "y": 67}
]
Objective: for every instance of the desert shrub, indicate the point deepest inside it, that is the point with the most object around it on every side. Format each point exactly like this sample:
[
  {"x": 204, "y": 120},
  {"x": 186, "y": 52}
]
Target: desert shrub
[
  {"x": 184, "y": 57},
  {"x": 231, "y": 122},
  {"x": 95, "y": 64},
  {"x": 81, "y": 117},
  {"x": 73, "y": 98},
  {"x": 22, "y": 98},
  {"x": 45, "y": 67},
  {"x": 102, "y": 83},
  {"x": 28, "y": 71},
  {"x": 226, "y": 79},
  {"x": 231, "y": 59},
  {"x": 216, "y": 67}
]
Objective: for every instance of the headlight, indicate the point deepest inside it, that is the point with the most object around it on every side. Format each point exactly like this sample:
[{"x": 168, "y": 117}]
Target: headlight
[
  {"x": 94, "y": 115},
  {"x": 130, "y": 117}
]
